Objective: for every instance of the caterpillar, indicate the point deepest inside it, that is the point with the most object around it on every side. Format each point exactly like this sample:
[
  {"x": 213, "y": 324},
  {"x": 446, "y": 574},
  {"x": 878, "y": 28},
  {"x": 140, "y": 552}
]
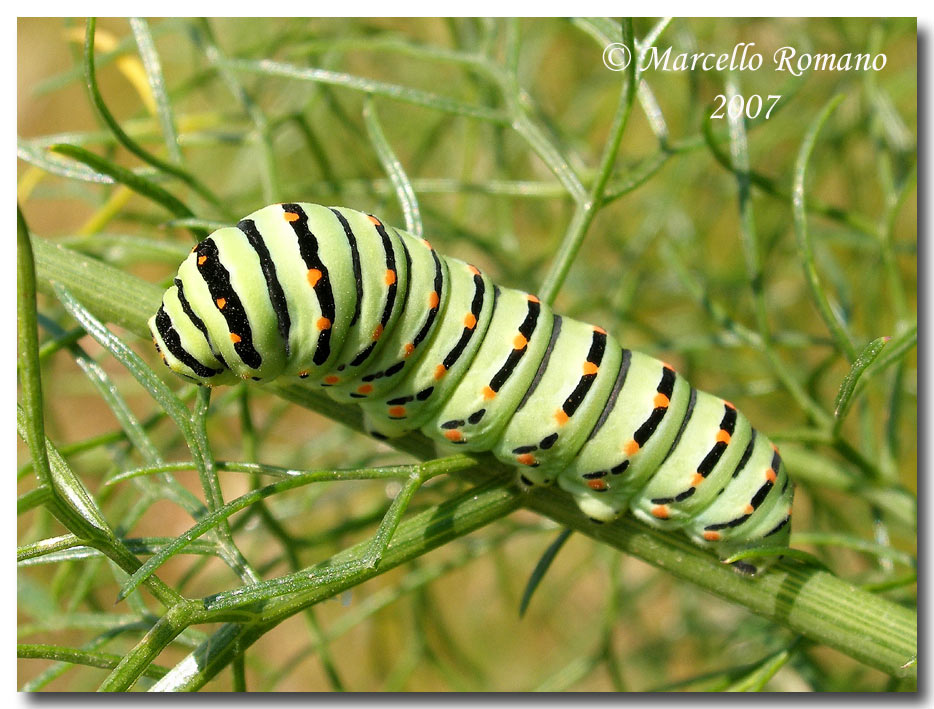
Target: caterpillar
[{"x": 376, "y": 317}]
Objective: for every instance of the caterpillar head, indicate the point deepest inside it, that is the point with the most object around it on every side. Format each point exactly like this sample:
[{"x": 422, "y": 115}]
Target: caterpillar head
[
  {"x": 183, "y": 348},
  {"x": 212, "y": 327}
]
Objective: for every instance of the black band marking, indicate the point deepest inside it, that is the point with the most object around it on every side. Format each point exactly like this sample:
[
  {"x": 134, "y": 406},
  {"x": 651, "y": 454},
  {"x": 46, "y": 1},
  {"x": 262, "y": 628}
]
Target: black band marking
[
  {"x": 555, "y": 331},
  {"x": 525, "y": 329},
  {"x": 595, "y": 357},
  {"x": 355, "y": 260},
  {"x": 476, "y": 305},
  {"x": 276, "y": 294},
  {"x": 308, "y": 247},
  {"x": 391, "y": 293},
  {"x": 217, "y": 279},
  {"x": 666, "y": 386},
  {"x": 196, "y": 321},
  {"x": 614, "y": 393},
  {"x": 747, "y": 454},
  {"x": 173, "y": 343}
]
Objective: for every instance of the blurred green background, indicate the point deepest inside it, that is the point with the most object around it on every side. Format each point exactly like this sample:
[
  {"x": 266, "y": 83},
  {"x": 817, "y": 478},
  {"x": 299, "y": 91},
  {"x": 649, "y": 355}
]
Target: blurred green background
[{"x": 666, "y": 251}]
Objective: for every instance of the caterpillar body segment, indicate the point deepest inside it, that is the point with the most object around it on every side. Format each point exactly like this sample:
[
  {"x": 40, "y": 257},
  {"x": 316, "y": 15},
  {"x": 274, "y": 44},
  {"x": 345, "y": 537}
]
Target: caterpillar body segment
[
  {"x": 376, "y": 317},
  {"x": 642, "y": 423},
  {"x": 434, "y": 375},
  {"x": 475, "y": 415},
  {"x": 559, "y": 409}
]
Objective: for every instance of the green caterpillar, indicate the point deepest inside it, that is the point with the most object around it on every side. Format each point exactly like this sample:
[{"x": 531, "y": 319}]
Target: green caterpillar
[{"x": 420, "y": 341}]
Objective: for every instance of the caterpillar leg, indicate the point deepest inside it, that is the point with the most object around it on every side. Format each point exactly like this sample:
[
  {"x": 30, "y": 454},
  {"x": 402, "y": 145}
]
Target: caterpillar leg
[
  {"x": 745, "y": 568},
  {"x": 530, "y": 477},
  {"x": 597, "y": 509},
  {"x": 378, "y": 427}
]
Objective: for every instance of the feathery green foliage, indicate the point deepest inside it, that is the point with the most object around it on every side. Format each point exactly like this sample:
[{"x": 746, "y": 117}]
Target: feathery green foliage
[{"x": 773, "y": 261}]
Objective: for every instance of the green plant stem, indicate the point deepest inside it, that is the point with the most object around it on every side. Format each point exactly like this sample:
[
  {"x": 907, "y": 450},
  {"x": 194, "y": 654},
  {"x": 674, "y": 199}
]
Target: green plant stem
[
  {"x": 813, "y": 603},
  {"x": 397, "y": 175},
  {"x": 150, "y": 57},
  {"x": 27, "y": 350},
  {"x": 98, "y": 102},
  {"x": 586, "y": 211},
  {"x": 767, "y": 186},
  {"x": 212, "y": 51},
  {"x": 522, "y": 122},
  {"x": 380, "y": 88},
  {"x": 105, "y": 660},
  {"x": 414, "y": 537},
  {"x": 166, "y": 629},
  {"x": 141, "y": 185},
  {"x": 819, "y": 295}
]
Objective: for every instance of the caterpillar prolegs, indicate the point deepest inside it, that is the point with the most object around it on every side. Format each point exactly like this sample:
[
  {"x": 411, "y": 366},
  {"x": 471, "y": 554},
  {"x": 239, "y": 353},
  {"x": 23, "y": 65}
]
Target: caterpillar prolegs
[{"x": 421, "y": 341}]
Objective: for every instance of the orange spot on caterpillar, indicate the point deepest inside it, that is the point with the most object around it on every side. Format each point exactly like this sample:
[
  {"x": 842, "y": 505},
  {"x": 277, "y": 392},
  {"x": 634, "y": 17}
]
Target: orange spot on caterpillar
[
  {"x": 470, "y": 321},
  {"x": 364, "y": 388},
  {"x": 409, "y": 349},
  {"x": 290, "y": 216},
  {"x": 668, "y": 366},
  {"x": 374, "y": 220},
  {"x": 526, "y": 459},
  {"x": 749, "y": 509},
  {"x": 378, "y": 331},
  {"x": 729, "y": 404},
  {"x": 519, "y": 342},
  {"x": 631, "y": 448},
  {"x": 533, "y": 298},
  {"x": 453, "y": 435},
  {"x": 660, "y": 511},
  {"x": 561, "y": 417},
  {"x": 596, "y": 484},
  {"x": 428, "y": 244},
  {"x": 590, "y": 368},
  {"x": 440, "y": 371},
  {"x": 234, "y": 337},
  {"x": 314, "y": 275},
  {"x": 661, "y": 401},
  {"x": 433, "y": 300},
  {"x": 221, "y": 302},
  {"x": 323, "y": 324},
  {"x": 332, "y": 379},
  {"x": 599, "y": 330},
  {"x": 723, "y": 437},
  {"x": 774, "y": 447},
  {"x": 390, "y": 277},
  {"x": 397, "y": 411},
  {"x": 201, "y": 260},
  {"x": 712, "y": 536},
  {"x": 770, "y": 475},
  {"x": 696, "y": 479},
  {"x": 488, "y": 393}
]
